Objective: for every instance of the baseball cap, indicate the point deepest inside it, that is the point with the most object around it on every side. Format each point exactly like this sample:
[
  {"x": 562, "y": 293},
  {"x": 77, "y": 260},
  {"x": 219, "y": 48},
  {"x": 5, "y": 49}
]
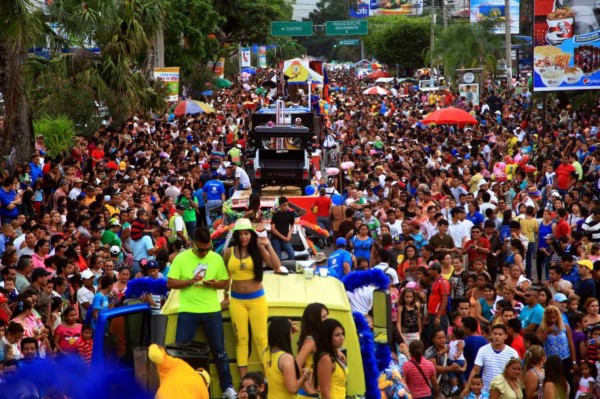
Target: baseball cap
[
  {"x": 115, "y": 250},
  {"x": 560, "y": 297},
  {"x": 398, "y": 239},
  {"x": 587, "y": 263},
  {"x": 341, "y": 242},
  {"x": 549, "y": 237},
  {"x": 152, "y": 264},
  {"x": 86, "y": 274},
  {"x": 39, "y": 272},
  {"x": 115, "y": 222}
]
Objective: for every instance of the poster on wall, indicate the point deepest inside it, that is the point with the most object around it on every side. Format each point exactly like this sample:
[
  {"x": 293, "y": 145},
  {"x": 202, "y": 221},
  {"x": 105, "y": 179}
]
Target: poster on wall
[
  {"x": 482, "y": 10},
  {"x": 171, "y": 77},
  {"x": 470, "y": 92},
  {"x": 566, "y": 53},
  {"x": 365, "y": 8}
]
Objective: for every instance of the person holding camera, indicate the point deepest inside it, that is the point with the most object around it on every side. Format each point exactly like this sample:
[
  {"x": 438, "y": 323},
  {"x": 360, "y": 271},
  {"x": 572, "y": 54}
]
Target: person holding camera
[{"x": 252, "y": 386}]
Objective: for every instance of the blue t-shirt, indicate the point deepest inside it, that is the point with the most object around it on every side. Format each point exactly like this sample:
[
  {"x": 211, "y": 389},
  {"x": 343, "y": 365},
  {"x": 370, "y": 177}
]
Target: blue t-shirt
[
  {"x": 199, "y": 197},
  {"x": 572, "y": 276},
  {"x": 336, "y": 261},
  {"x": 100, "y": 302},
  {"x": 362, "y": 248},
  {"x": 214, "y": 190},
  {"x": 472, "y": 345},
  {"x": 530, "y": 315},
  {"x": 36, "y": 172},
  {"x": 477, "y": 218},
  {"x": 5, "y": 199}
]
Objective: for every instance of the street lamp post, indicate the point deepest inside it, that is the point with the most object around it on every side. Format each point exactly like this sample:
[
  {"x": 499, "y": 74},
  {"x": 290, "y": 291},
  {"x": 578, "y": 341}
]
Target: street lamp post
[{"x": 508, "y": 44}]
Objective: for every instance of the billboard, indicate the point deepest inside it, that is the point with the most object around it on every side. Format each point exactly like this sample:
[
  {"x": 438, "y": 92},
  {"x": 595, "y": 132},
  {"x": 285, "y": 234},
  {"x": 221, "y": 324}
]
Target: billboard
[
  {"x": 171, "y": 77},
  {"x": 245, "y": 57},
  {"x": 365, "y": 8},
  {"x": 470, "y": 92},
  {"x": 566, "y": 53},
  {"x": 262, "y": 57},
  {"x": 481, "y": 10}
]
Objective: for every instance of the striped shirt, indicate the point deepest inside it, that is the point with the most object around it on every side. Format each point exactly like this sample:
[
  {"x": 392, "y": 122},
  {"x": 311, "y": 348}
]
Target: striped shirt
[
  {"x": 419, "y": 387},
  {"x": 492, "y": 362},
  {"x": 593, "y": 227}
]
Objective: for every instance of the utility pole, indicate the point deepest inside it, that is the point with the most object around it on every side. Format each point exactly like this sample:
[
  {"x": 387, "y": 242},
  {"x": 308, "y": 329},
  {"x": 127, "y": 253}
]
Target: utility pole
[
  {"x": 508, "y": 44},
  {"x": 432, "y": 44},
  {"x": 362, "y": 50},
  {"x": 445, "y": 13}
]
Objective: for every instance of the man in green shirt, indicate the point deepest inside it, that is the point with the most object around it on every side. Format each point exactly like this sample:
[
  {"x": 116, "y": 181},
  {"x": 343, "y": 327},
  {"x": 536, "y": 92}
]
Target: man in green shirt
[
  {"x": 110, "y": 236},
  {"x": 191, "y": 205},
  {"x": 198, "y": 273}
]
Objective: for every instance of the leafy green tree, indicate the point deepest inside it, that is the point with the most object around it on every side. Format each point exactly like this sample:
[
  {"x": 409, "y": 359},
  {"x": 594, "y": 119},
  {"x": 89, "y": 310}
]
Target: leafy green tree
[
  {"x": 399, "y": 40},
  {"x": 327, "y": 10},
  {"x": 59, "y": 133},
  {"x": 466, "y": 45},
  {"x": 21, "y": 25},
  {"x": 248, "y": 21},
  {"x": 125, "y": 32},
  {"x": 189, "y": 23}
]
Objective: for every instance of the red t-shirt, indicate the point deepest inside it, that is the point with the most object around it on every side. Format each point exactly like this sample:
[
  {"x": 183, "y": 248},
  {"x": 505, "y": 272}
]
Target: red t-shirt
[
  {"x": 323, "y": 204},
  {"x": 562, "y": 229},
  {"x": 439, "y": 288},
  {"x": 482, "y": 243},
  {"x": 563, "y": 176},
  {"x": 519, "y": 345}
]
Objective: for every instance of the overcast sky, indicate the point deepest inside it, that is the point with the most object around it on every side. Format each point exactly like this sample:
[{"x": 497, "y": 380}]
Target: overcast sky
[{"x": 302, "y": 8}]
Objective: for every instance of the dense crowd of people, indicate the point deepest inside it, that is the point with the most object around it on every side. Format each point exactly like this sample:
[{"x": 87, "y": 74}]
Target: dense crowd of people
[{"x": 489, "y": 234}]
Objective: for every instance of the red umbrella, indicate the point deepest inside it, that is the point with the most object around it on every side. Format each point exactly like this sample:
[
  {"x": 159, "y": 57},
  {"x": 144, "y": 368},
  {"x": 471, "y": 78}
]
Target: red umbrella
[
  {"x": 450, "y": 116},
  {"x": 378, "y": 74}
]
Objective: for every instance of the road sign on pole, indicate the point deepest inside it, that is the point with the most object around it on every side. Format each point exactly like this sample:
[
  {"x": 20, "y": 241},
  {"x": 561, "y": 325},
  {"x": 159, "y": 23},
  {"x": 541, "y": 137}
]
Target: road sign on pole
[
  {"x": 290, "y": 28},
  {"x": 350, "y": 27},
  {"x": 350, "y": 42}
]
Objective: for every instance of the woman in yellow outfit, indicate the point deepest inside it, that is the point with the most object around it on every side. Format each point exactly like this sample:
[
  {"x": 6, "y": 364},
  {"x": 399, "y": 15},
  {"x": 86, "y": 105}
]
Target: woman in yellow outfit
[
  {"x": 312, "y": 318},
  {"x": 331, "y": 371},
  {"x": 281, "y": 369},
  {"x": 248, "y": 303}
]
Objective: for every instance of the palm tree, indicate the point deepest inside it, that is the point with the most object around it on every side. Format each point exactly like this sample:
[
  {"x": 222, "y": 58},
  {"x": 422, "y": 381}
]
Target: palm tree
[
  {"x": 22, "y": 23},
  {"x": 125, "y": 32},
  {"x": 466, "y": 45}
]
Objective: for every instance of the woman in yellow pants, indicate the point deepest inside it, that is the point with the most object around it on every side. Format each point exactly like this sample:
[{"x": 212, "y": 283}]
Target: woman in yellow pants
[{"x": 248, "y": 304}]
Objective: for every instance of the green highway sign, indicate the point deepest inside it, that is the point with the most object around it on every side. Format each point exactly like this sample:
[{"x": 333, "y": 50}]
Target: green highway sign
[
  {"x": 350, "y": 27},
  {"x": 350, "y": 42},
  {"x": 289, "y": 28}
]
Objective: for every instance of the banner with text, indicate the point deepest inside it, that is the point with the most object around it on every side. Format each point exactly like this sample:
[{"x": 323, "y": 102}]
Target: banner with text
[
  {"x": 171, "y": 78},
  {"x": 482, "y": 10},
  {"x": 262, "y": 57},
  {"x": 245, "y": 55},
  {"x": 365, "y": 8},
  {"x": 566, "y": 40}
]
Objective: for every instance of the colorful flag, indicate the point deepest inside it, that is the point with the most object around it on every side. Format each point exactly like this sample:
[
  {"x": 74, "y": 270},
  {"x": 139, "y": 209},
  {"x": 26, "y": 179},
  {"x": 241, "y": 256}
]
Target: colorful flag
[{"x": 326, "y": 86}]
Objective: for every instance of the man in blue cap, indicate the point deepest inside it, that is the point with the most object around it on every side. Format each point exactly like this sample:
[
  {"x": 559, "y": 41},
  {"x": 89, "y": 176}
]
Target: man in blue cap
[{"x": 341, "y": 260}]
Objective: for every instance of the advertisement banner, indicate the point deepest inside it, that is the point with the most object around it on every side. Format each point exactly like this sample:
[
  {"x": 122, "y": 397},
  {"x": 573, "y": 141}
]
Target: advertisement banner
[
  {"x": 365, "y": 8},
  {"x": 566, "y": 53},
  {"x": 482, "y": 10},
  {"x": 470, "y": 92},
  {"x": 262, "y": 57},
  {"x": 171, "y": 77},
  {"x": 219, "y": 68},
  {"x": 245, "y": 55}
]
